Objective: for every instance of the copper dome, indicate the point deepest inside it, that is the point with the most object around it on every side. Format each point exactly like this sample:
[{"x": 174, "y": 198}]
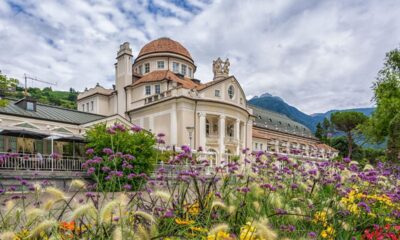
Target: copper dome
[{"x": 164, "y": 45}]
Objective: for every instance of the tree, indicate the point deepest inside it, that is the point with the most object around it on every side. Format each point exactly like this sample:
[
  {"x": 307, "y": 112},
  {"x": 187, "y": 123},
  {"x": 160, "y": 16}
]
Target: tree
[
  {"x": 393, "y": 145},
  {"x": 348, "y": 122},
  {"x": 6, "y": 85},
  {"x": 319, "y": 131},
  {"x": 386, "y": 88}
]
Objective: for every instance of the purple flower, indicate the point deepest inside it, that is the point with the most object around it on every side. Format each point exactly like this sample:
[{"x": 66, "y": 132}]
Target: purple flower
[
  {"x": 91, "y": 170},
  {"x": 312, "y": 235},
  {"x": 346, "y": 160},
  {"x": 90, "y": 195},
  {"x": 107, "y": 151},
  {"x": 136, "y": 128},
  {"x": 105, "y": 169},
  {"x": 161, "y": 135},
  {"x": 127, "y": 187},
  {"x": 89, "y": 151},
  {"x": 169, "y": 214},
  {"x": 365, "y": 206}
]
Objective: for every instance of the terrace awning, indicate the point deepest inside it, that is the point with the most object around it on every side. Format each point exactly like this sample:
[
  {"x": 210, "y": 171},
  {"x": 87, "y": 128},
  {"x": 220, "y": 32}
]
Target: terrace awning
[
  {"x": 66, "y": 137},
  {"x": 22, "y": 132}
]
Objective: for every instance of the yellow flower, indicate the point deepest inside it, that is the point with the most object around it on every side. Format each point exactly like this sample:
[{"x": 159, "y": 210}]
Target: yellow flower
[
  {"x": 198, "y": 229},
  {"x": 221, "y": 235},
  {"x": 194, "y": 209},
  {"x": 180, "y": 221},
  {"x": 328, "y": 233},
  {"x": 247, "y": 232}
]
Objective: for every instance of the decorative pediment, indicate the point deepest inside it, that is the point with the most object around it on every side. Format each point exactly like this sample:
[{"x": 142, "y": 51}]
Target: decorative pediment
[
  {"x": 62, "y": 130},
  {"x": 26, "y": 125}
]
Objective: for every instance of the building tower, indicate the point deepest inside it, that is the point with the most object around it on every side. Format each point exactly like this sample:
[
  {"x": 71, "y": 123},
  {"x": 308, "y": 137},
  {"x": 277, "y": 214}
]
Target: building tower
[{"x": 123, "y": 76}]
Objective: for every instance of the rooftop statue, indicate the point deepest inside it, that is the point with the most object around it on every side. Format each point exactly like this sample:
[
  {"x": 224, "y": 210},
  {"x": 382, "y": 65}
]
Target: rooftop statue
[{"x": 221, "y": 68}]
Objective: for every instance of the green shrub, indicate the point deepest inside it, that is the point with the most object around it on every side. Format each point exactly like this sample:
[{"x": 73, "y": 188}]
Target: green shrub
[{"x": 118, "y": 155}]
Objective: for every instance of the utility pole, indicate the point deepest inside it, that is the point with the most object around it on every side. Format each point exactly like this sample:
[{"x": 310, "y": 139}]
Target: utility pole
[{"x": 26, "y": 77}]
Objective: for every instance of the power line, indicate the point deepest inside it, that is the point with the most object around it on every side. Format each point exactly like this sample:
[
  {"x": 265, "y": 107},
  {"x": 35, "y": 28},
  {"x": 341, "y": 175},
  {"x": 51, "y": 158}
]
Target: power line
[{"x": 26, "y": 77}]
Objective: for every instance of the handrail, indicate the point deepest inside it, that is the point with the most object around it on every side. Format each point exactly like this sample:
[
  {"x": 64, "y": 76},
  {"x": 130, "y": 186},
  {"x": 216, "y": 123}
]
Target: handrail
[{"x": 38, "y": 162}]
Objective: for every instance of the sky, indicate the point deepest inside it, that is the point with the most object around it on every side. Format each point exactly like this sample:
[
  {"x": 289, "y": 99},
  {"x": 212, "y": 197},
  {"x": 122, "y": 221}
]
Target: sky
[{"x": 316, "y": 55}]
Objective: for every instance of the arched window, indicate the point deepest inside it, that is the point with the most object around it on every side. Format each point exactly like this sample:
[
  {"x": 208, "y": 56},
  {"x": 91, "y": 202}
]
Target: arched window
[{"x": 231, "y": 91}]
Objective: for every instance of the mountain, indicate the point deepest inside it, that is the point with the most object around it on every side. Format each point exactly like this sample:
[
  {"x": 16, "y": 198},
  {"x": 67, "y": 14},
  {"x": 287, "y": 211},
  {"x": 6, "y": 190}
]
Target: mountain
[{"x": 273, "y": 103}]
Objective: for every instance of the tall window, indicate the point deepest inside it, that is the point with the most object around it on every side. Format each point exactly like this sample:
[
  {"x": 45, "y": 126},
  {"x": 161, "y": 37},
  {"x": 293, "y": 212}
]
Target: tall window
[
  {"x": 87, "y": 107},
  {"x": 146, "y": 67},
  {"x": 231, "y": 91},
  {"x": 157, "y": 89},
  {"x": 175, "y": 67},
  {"x": 256, "y": 146},
  {"x": 148, "y": 90},
  {"x": 83, "y": 107},
  {"x": 217, "y": 93},
  {"x": 190, "y": 72},
  {"x": 91, "y": 105},
  {"x": 261, "y": 146},
  {"x": 160, "y": 64},
  {"x": 183, "y": 70},
  {"x": 140, "y": 69}
]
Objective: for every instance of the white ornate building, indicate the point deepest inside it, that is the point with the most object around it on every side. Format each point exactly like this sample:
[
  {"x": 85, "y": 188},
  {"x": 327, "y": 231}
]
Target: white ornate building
[{"x": 158, "y": 90}]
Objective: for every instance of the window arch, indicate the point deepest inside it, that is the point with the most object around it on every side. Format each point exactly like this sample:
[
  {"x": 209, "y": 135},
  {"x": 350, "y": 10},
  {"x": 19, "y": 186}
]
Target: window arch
[{"x": 231, "y": 91}]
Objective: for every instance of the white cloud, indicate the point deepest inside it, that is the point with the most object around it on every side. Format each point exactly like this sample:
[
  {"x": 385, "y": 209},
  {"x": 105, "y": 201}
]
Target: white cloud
[{"x": 317, "y": 55}]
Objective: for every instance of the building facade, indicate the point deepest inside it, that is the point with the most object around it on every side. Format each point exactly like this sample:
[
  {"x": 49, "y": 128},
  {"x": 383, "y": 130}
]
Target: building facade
[{"x": 158, "y": 91}]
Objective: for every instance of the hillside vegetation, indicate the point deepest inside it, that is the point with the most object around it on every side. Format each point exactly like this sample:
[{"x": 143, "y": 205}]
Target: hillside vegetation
[{"x": 48, "y": 96}]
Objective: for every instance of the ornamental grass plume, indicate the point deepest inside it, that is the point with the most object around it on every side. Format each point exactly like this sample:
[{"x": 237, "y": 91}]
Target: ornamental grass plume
[
  {"x": 218, "y": 204},
  {"x": 275, "y": 200},
  {"x": 231, "y": 209},
  {"x": 77, "y": 183},
  {"x": 87, "y": 209},
  {"x": 162, "y": 195},
  {"x": 368, "y": 167},
  {"x": 105, "y": 213},
  {"x": 222, "y": 227},
  {"x": 44, "y": 226},
  {"x": 49, "y": 204},
  {"x": 8, "y": 235},
  {"x": 34, "y": 213},
  {"x": 142, "y": 233},
  {"x": 256, "y": 206},
  {"x": 263, "y": 230},
  {"x": 148, "y": 217},
  {"x": 56, "y": 193},
  {"x": 117, "y": 234}
]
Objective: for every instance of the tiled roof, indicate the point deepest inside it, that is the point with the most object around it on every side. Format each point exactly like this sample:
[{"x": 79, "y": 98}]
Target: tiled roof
[
  {"x": 50, "y": 113},
  {"x": 278, "y": 122},
  {"x": 164, "y": 45},
  {"x": 166, "y": 75}
]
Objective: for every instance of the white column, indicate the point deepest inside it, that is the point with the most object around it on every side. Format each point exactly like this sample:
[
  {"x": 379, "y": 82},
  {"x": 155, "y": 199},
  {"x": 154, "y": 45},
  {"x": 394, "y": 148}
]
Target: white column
[
  {"x": 287, "y": 147},
  {"x": 221, "y": 135},
  {"x": 202, "y": 130},
  {"x": 277, "y": 146},
  {"x": 174, "y": 126},
  {"x": 237, "y": 136},
  {"x": 307, "y": 150}
]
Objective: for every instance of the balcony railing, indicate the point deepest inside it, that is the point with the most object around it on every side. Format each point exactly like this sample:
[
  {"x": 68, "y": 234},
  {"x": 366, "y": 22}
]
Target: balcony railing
[
  {"x": 37, "y": 162},
  {"x": 156, "y": 97}
]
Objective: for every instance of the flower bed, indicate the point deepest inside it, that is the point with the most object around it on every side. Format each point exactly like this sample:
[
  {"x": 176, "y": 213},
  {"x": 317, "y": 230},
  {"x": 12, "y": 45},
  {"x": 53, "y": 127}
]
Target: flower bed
[{"x": 267, "y": 197}]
